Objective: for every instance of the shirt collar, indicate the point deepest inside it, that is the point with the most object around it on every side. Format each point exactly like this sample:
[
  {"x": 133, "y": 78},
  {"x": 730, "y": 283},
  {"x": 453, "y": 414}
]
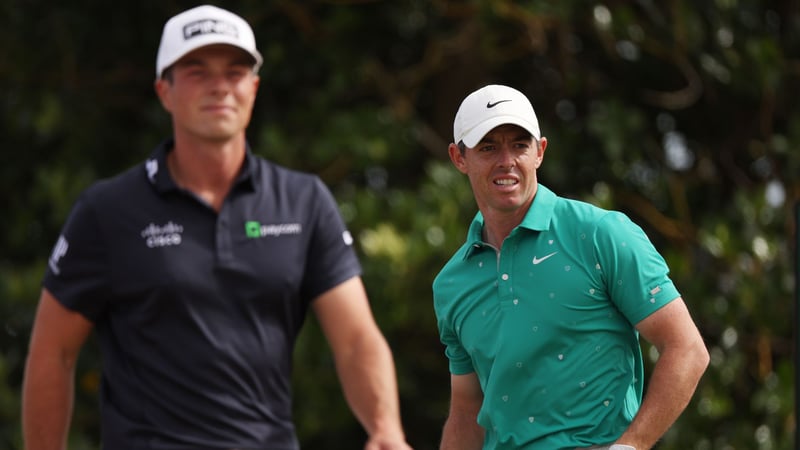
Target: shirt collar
[
  {"x": 538, "y": 218},
  {"x": 159, "y": 176}
]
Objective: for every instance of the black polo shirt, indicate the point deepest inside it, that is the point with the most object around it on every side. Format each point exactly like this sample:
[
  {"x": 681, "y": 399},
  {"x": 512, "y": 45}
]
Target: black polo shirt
[{"x": 197, "y": 311}]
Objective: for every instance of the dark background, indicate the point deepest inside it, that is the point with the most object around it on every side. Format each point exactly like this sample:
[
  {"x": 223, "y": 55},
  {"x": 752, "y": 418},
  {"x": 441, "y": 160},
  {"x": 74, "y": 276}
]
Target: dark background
[{"x": 681, "y": 113}]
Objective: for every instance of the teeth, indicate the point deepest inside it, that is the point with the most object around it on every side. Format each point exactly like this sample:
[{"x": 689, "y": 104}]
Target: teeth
[{"x": 505, "y": 182}]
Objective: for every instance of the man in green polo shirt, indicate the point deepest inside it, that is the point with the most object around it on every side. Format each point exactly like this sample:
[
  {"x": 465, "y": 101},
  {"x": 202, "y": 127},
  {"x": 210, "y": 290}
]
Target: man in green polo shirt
[{"x": 542, "y": 307}]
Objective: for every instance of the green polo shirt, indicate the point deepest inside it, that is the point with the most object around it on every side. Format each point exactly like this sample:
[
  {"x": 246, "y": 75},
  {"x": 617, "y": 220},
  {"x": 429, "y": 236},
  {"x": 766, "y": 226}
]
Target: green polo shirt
[{"x": 546, "y": 323}]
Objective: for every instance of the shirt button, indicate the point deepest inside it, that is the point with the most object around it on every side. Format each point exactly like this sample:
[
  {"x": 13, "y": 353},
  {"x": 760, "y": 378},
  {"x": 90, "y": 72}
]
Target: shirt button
[{"x": 505, "y": 277}]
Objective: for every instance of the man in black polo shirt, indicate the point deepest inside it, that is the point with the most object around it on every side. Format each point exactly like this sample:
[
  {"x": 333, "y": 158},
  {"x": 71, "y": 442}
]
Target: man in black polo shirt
[{"x": 196, "y": 269}]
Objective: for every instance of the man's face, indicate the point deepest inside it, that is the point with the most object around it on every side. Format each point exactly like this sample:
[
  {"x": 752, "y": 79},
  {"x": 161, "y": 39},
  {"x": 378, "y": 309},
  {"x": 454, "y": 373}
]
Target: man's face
[
  {"x": 502, "y": 169},
  {"x": 211, "y": 92}
]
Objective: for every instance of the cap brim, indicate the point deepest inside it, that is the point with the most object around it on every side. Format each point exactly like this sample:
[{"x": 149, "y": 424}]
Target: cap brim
[{"x": 475, "y": 135}]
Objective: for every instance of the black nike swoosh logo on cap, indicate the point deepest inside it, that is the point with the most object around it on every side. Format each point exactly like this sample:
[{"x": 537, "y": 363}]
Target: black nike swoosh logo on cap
[{"x": 492, "y": 105}]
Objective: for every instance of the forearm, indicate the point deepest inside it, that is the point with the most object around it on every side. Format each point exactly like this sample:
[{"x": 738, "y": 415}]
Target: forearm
[
  {"x": 462, "y": 433},
  {"x": 670, "y": 388},
  {"x": 47, "y": 399},
  {"x": 367, "y": 374}
]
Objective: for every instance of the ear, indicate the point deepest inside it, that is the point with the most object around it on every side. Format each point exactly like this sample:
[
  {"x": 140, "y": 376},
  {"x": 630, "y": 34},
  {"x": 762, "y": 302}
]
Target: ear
[
  {"x": 457, "y": 158},
  {"x": 162, "y": 87},
  {"x": 540, "y": 151}
]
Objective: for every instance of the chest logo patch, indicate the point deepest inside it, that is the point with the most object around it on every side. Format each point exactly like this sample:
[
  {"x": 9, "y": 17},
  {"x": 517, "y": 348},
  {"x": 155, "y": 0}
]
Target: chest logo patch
[
  {"x": 254, "y": 229},
  {"x": 166, "y": 235},
  {"x": 539, "y": 260}
]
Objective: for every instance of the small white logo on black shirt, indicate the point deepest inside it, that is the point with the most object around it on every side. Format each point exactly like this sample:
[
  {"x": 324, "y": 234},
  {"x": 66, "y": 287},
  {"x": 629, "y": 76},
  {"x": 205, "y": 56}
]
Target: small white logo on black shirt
[
  {"x": 59, "y": 251},
  {"x": 347, "y": 238},
  {"x": 162, "y": 236},
  {"x": 152, "y": 169}
]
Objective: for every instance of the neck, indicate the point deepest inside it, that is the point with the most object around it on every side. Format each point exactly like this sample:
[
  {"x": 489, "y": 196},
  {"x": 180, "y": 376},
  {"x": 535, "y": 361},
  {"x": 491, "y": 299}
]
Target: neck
[
  {"x": 496, "y": 231},
  {"x": 208, "y": 169},
  {"x": 498, "y": 223}
]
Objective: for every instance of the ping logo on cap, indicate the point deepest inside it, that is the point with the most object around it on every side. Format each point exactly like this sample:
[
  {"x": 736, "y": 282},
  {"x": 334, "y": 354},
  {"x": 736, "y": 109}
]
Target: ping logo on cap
[{"x": 209, "y": 26}]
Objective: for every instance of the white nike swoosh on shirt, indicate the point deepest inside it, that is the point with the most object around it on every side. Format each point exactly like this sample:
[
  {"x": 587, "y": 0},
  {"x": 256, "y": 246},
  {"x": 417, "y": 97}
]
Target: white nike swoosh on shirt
[{"x": 538, "y": 260}]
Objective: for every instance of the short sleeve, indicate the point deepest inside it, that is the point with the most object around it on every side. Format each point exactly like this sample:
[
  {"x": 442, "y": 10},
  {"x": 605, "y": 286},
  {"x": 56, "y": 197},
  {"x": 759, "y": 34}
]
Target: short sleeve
[
  {"x": 636, "y": 275},
  {"x": 332, "y": 258},
  {"x": 77, "y": 270},
  {"x": 459, "y": 360}
]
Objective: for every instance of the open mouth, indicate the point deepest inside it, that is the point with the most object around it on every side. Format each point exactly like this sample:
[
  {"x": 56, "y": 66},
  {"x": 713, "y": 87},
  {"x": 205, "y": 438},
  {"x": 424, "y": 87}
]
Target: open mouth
[{"x": 505, "y": 182}]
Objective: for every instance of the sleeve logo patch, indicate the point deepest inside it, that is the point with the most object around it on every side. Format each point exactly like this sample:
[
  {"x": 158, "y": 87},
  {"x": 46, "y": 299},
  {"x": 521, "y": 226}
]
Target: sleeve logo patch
[{"x": 59, "y": 251}]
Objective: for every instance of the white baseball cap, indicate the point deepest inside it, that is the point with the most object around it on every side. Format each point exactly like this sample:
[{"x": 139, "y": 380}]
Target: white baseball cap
[
  {"x": 491, "y": 106},
  {"x": 201, "y": 26}
]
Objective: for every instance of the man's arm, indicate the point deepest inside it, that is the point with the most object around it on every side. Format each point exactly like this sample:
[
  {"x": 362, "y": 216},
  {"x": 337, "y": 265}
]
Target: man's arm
[
  {"x": 683, "y": 358},
  {"x": 461, "y": 430},
  {"x": 48, "y": 386},
  {"x": 363, "y": 362}
]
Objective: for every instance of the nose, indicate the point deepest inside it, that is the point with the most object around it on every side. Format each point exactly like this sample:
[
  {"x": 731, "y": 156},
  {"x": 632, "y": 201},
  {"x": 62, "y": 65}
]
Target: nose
[
  {"x": 506, "y": 157},
  {"x": 219, "y": 83}
]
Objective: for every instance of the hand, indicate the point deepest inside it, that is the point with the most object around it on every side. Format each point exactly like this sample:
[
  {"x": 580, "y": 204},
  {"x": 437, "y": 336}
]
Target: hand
[{"x": 385, "y": 442}]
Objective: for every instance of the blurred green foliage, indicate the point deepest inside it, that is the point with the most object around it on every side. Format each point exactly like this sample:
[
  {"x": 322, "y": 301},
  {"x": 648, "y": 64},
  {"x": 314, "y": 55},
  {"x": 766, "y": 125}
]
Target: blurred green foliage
[{"x": 682, "y": 114}]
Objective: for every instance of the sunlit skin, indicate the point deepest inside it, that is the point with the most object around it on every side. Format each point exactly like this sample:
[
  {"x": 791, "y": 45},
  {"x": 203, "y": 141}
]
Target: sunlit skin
[
  {"x": 502, "y": 171},
  {"x": 211, "y": 94}
]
